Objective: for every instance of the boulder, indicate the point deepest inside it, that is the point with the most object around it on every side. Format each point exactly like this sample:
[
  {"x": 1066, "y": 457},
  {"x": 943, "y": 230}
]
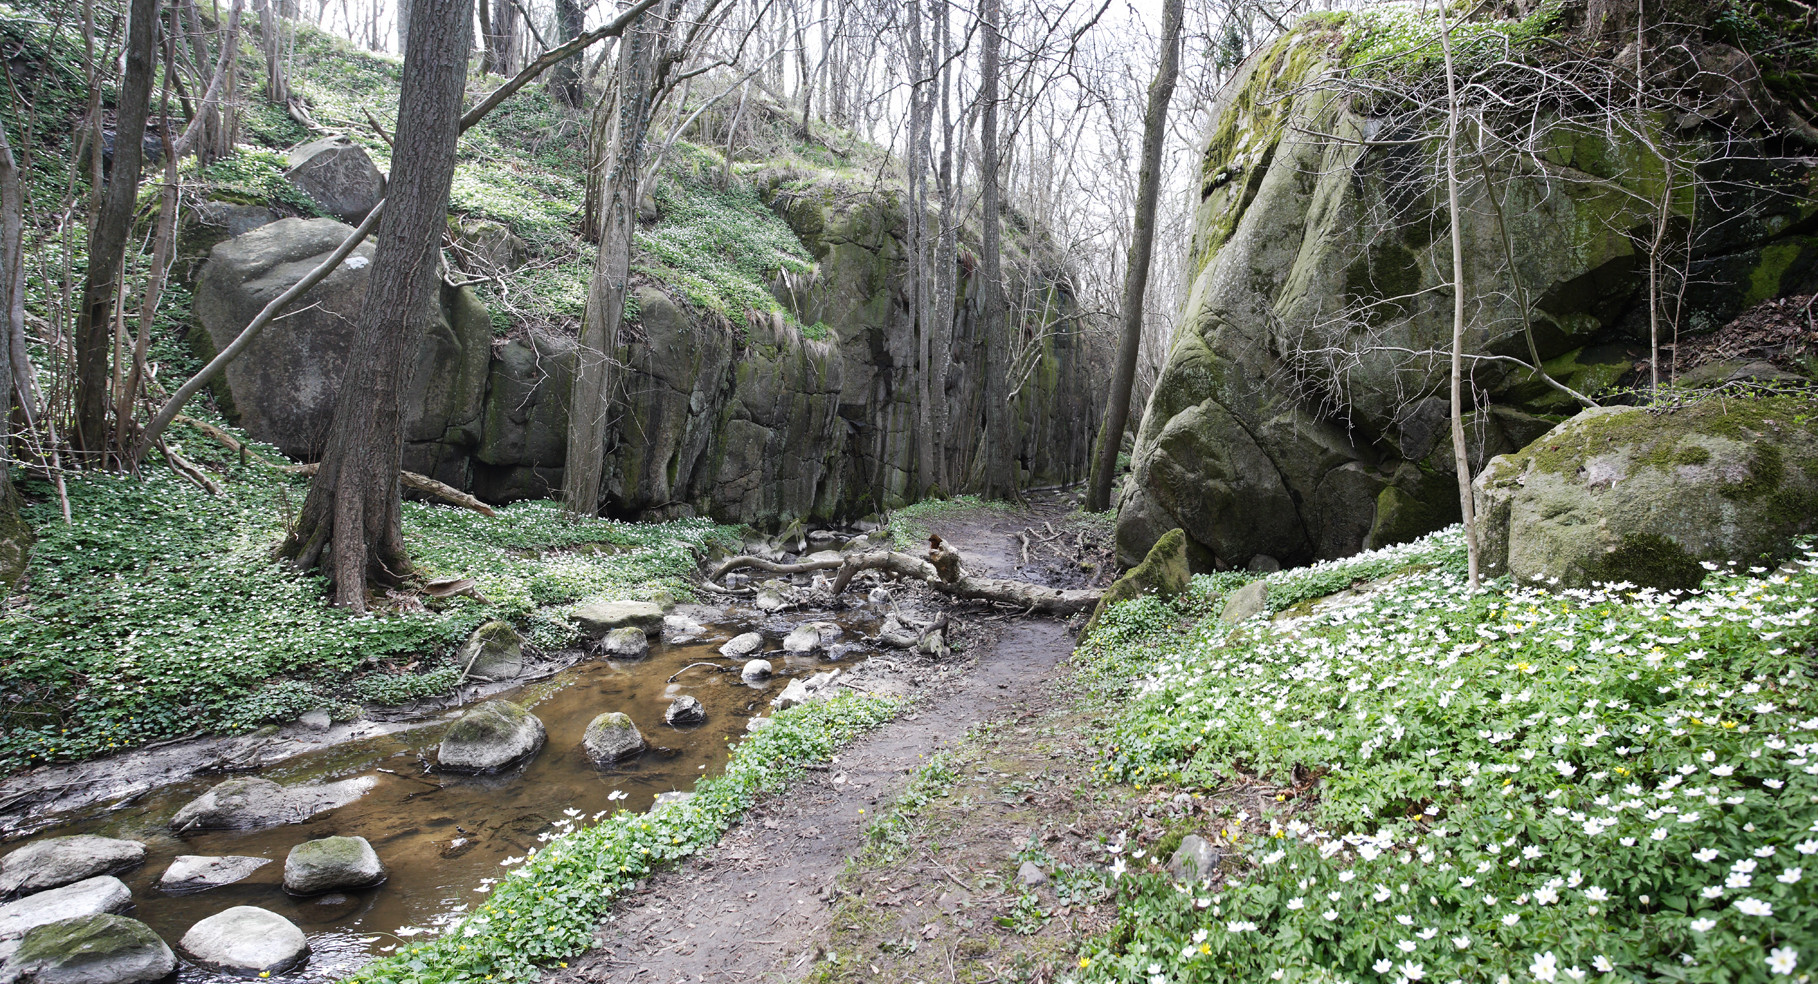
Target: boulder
[
  {"x": 330, "y": 864},
  {"x": 810, "y": 636},
  {"x": 743, "y": 644},
  {"x": 250, "y": 802},
  {"x": 756, "y": 670},
  {"x": 794, "y": 694},
  {"x": 247, "y": 942},
  {"x": 196, "y": 873},
  {"x": 770, "y": 598},
  {"x": 495, "y": 651},
  {"x": 1195, "y": 860},
  {"x": 600, "y": 617},
  {"x": 283, "y": 389},
  {"x": 484, "y": 248},
  {"x": 97, "y": 949},
  {"x": 684, "y": 710},
  {"x": 1623, "y": 494},
  {"x": 679, "y": 629},
  {"x": 339, "y": 175},
  {"x": 629, "y": 642},
  {"x": 612, "y": 737},
  {"x": 316, "y": 720},
  {"x": 1163, "y": 573},
  {"x": 1246, "y": 602},
  {"x": 91, "y": 896},
  {"x": 56, "y": 861},
  {"x": 489, "y": 737}
]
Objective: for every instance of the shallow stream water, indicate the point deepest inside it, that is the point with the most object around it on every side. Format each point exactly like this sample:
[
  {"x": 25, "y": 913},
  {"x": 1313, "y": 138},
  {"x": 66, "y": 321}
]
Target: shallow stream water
[{"x": 441, "y": 835}]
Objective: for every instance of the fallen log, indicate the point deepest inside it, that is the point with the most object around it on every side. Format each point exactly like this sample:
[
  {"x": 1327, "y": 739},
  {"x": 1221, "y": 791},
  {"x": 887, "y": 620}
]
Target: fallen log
[
  {"x": 417, "y": 483},
  {"x": 1033, "y": 598}
]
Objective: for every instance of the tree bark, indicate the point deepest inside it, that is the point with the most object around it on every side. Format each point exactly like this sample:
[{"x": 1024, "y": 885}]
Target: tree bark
[
  {"x": 108, "y": 234},
  {"x": 620, "y": 147},
  {"x": 999, "y": 460},
  {"x": 565, "y": 78},
  {"x": 350, "y": 520},
  {"x": 12, "y": 307},
  {"x": 1136, "y": 266}
]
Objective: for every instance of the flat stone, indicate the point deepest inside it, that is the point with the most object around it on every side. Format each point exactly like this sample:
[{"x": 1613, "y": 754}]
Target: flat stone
[
  {"x": 246, "y": 941},
  {"x": 742, "y": 645},
  {"x": 492, "y": 736},
  {"x": 89, "y": 897},
  {"x": 97, "y": 949},
  {"x": 248, "y": 803},
  {"x": 197, "y": 873},
  {"x": 824, "y": 557},
  {"x": 331, "y": 863},
  {"x": 600, "y": 617},
  {"x": 684, "y": 711},
  {"x": 56, "y": 861},
  {"x": 626, "y": 643},
  {"x": 612, "y": 737},
  {"x": 1195, "y": 860}
]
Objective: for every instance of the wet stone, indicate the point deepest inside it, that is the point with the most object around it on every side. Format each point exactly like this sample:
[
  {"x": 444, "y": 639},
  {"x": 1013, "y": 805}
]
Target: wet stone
[
  {"x": 742, "y": 645},
  {"x": 331, "y": 863},
  {"x": 756, "y": 670},
  {"x": 625, "y": 643},
  {"x": 247, "y": 803},
  {"x": 98, "y": 949},
  {"x": 490, "y": 737},
  {"x": 685, "y": 711},
  {"x": 246, "y": 941},
  {"x": 89, "y": 897},
  {"x": 600, "y": 617},
  {"x": 196, "y": 873},
  {"x": 612, "y": 737},
  {"x": 681, "y": 628},
  {"x": 56, "y": 861}
]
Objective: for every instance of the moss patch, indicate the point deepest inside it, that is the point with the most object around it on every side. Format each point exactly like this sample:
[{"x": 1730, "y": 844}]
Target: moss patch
[{"x": 1164, "y": 573}]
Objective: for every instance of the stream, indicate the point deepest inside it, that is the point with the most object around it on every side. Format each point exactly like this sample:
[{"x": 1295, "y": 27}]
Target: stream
[{"x": 442, "y": 836}]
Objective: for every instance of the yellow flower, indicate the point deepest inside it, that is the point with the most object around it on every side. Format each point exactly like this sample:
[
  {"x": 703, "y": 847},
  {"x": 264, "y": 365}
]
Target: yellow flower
[{"x": 1085, "y": 962}]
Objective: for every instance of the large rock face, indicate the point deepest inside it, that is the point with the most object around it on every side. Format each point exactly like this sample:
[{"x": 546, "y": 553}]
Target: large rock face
[
  {"x": 1624, "y": 494},
  {"x": 1290, "y": 419},
  {"x": 283, "y": 388},
  {"x": 748, "y": 422}
]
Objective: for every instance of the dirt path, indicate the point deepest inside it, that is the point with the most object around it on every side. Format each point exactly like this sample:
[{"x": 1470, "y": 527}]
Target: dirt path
[{"x": 757, "y": 907}]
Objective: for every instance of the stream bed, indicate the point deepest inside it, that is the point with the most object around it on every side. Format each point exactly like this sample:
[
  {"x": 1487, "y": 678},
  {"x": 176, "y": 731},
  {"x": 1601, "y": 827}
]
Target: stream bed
[{"x": 442, "y": 836}]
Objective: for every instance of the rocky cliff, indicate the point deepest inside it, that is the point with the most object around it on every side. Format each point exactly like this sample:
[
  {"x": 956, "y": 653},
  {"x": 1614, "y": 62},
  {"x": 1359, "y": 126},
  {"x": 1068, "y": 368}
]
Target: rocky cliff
[
  {"x": 1302, "y": 413},
  {"x": 751, "y": 419}
]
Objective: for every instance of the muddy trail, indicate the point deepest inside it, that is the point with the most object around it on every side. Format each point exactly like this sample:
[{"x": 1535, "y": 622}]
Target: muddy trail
[{"x": 759, "y": 906}]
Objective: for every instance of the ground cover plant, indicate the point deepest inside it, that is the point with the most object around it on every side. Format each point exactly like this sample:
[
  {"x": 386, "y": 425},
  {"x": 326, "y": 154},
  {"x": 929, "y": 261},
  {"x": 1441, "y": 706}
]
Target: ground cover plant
[
  {"x": 1515, "y": 785},
  {"x": 159, "y": 612},
  {"x": 546, "y": 909}
]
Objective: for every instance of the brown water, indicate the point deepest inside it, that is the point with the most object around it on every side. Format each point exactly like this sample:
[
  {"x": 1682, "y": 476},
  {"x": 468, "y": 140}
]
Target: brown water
[{"x": 441, "y": 836}]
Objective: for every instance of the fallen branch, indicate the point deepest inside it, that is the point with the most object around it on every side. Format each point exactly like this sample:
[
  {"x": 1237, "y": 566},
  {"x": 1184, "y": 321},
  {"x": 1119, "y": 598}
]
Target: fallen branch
[
  {"x": 1022, "y": 594},
  {"x": 415, "y": 482}
]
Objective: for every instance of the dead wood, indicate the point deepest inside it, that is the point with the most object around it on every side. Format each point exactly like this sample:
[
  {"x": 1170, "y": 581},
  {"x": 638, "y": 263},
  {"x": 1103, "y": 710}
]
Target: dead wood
[
  {"x": 416, "y": 483},
  {"x": 1033, "y": 598}
]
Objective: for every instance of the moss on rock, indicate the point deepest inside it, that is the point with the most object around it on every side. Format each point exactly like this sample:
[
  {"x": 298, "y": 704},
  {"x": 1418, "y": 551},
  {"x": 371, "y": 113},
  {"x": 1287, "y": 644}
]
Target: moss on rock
[{"x": 1163, "y": 573}]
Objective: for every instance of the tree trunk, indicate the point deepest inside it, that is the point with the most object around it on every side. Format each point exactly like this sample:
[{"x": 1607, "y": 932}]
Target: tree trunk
[
  {"x": 915, "y": 170},
  {"x": 1136, "y": 266},
  {"x": 108, "y": 234},
  {"x": 621, "y": 147},
  {"x": 271, "y": 43},
  {"x": 12, "y": 306},
  {"x": 999, "y": 460},
  {"x": 404, "y": 24},
  {"x": 946, "y": 260},
  {"x": 565, "y": 78},
  {"x": 1461, "y": 458},
  {"x": 350, "y": 520}
]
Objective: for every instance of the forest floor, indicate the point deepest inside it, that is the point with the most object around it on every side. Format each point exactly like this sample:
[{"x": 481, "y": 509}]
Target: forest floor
[{"x": 874, "y": 863}]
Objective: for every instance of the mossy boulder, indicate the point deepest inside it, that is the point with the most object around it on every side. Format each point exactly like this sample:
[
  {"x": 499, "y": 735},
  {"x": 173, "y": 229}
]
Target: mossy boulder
[
  {"x": 492, "y": 736},
  {"x": 495, "y": 651},
  {"x": 1649, "y": 496},
  {"x": 1163, "y": 573},
  {"x": 612, "y": 737},
  {"x": 97, "y": 949},
  {"x": 328, "y": 864}
]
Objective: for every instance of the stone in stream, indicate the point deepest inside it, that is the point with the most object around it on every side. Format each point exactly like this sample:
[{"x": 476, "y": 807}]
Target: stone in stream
[
  {"x": 247, "y": 942},
  {"x": 56, "y": 861},
  {"x": 681, "y": 628},
  {"x": 612, "y": 737},
  {"x": 626, "y": 643},
  {"x": 770, "y": 598},
  {"x": 742, "y": 645},
  {"x": 793, "y": 694},
  {"x": 89, "y": 897},
  {"x": 495, "y": 651},
  {"x": 810, "y": 636},
  {"x": 684, "y": 710},
  {"x": 878, "y": 596},
  {"x": 328, "y": 864},
  {"x": 197, "y": 873},
  {"x": 1195, "y": 860},
  {"x": 98, "y": 949},
  {"x": 492, "y": 736},
  {"x": 756, "y": 670},
  {"x": 248, "y": 802},
  {"x": 600, "y": 617}
]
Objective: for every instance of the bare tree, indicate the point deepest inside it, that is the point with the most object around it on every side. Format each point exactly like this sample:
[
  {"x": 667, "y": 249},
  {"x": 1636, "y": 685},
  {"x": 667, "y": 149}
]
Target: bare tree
[
  {"x": 998, "y": 462},
  {"x": 350, "y": 523}
]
